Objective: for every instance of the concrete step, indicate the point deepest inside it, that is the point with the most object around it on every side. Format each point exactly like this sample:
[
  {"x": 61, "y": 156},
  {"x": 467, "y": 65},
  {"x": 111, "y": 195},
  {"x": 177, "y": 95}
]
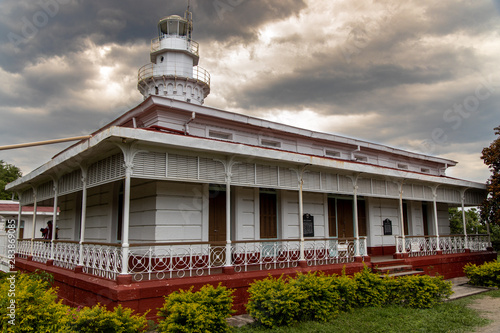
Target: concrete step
[
  {"x": 393, "y": 269},
  {"x": 405, "y": 273}
]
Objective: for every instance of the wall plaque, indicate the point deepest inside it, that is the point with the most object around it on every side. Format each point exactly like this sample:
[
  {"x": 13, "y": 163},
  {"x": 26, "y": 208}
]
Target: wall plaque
[
  {"x": 308, "y": 220},
  {"x": 387, "y": 227}
]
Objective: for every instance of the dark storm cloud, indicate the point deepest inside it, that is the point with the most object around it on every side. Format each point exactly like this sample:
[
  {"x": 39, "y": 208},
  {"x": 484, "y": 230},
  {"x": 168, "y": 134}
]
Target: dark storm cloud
[{"x": 31, "y": 30}]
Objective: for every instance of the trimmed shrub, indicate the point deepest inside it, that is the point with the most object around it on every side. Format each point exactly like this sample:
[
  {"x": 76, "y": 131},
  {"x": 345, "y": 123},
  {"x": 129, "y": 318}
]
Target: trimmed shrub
[
  {"x": 202, "y": 311},
  {"x": 274, "y": 302},
  {"x": 487, "y": 274},
  {"x": 371, "y": 290},
  {"x": 346, "y": 287},
  {"x": 322, "y": 301},
  {"x": 98, "y": 319},
  {"x": 36, "y": 305},
  {"x": 417, "y": 291}
]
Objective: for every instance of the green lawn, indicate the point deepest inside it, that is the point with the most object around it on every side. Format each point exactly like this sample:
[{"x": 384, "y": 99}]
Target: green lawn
[{"x": 453, "y": 316}]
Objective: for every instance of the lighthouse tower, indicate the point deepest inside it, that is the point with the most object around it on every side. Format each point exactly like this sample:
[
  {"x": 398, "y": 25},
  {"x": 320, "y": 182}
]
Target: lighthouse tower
[{"x": 174, "y": 71}]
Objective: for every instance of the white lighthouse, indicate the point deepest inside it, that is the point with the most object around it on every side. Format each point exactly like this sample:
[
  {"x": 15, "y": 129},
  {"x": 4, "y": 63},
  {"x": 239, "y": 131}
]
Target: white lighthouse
[{"x": 174, "y": 71}]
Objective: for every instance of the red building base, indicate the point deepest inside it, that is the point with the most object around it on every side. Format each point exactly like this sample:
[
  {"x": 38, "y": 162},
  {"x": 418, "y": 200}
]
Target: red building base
[{"x": 76, "y": 288}]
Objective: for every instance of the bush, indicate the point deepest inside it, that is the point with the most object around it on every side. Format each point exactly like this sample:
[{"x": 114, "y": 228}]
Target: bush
[
  {"x": 346, "y": 288},
  {"x": 274, "y": 302},
  {"x": 322, "y": 300},
  {"x": 417, "y": 291},
  {"x": 202, "y": 311},
  {"x": 315, "y": 296},
  {"x": 487, "y": 274},
  {"x": 371, "y": 290},
  {"x": 98, "y": 319},
  {"x": 36, "y": 305}
]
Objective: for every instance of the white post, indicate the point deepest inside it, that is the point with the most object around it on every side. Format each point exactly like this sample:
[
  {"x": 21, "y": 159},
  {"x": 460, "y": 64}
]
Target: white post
[
  {"x": 436, "y": 223},
  {"x": 355, "y": 215},
  {"x": 34, "y": 221},
  {"x": 84, "y": 214},
  {"x": 464, "y": 220},
  {"x": 126, "y": 216},
  {"x": 228, "y": 219},
  {"x": 401, "y": 216},
  {"x": 301, "y": 217},
  {"x": 19, "y": 216},
  {"x": 54, "y": 221}
]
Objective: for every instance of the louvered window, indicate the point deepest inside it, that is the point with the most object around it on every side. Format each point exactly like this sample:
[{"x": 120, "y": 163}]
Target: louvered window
[
  {"x": 267, "y": 175},
  {"x": 150, "y": 164},
  {"x": 182, "y": 166},
  {"x": 243, "y": 173},
  {"x": 212, "y": 170},
  {"x": 288, "y": 178}
]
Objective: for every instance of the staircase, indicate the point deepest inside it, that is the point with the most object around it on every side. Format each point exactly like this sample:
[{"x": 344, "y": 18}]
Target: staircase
[{"x": 393, "y": 267}]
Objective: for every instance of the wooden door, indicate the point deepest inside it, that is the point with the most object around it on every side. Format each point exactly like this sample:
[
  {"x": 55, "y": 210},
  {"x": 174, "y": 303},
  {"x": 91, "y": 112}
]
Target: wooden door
[
  {"x": 362, "y": 218},
  {"x": 332, "y": 218},
  {"x": 345, "y": 218},
  {"x": 268, "y": 216},
  {"x": 217, "y": 227},
  {"x": 217, "y": 216},
  {"x": 405, "y": 218},
  {"x": 425, "y": 219}
]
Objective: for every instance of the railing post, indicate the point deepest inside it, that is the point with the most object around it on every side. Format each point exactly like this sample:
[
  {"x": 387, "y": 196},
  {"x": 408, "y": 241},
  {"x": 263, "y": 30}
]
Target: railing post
[{"x": 397, "y": 244}]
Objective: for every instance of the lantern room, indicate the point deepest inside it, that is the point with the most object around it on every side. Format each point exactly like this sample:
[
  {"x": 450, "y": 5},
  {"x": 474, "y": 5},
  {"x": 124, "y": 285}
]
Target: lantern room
[{"x": 174, "y": 25}]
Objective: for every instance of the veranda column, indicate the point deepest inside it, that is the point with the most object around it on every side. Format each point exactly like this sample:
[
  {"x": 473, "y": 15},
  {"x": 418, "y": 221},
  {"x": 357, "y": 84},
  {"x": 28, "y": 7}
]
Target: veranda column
[
  {"x": 84, "y": 213},
  {"x": 401, "y": 216},
  {"x": 228, "y": 164},
  {"x": 126, "y": 216},
  {"x": 19, "y": 216},
  {"x": 34, "y": 221},
  {"x": 355, "y": 215},
  {"x": 436, "y": 223},
  {"x": 54, "y": 220},
  {"x": 464, "y": 220},
  {"x": 228, "y": 220},
  {"x": 301, "y": 217}
]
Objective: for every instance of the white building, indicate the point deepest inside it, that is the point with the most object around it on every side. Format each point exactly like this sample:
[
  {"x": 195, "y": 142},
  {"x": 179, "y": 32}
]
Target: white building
[{"x": 173, "y": 188}]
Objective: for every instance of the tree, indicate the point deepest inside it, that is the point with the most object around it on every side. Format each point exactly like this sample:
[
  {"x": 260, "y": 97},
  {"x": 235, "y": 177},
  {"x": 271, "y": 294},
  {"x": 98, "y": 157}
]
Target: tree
[
  {"x": 473, "y": 225},
  {"x": 490, "y": 208},
  {"x": 8, "y": 173}
]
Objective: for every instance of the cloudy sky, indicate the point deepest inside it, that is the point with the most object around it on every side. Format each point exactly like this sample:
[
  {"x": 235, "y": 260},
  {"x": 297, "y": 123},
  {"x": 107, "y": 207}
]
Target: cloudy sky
[{"x": 420, "y": 75}]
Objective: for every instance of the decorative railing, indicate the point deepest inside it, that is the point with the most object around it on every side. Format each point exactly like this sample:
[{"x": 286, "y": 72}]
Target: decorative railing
[
  {"x": 165, "y": 70},
  {"x": 41, "y": 250},
  {"x": 187, "y": 44},
  {"x": 169, "y": 260},
  {"x": 156, "y": 261},
  {"x": 102, "y": 259},
  {"x": 417, "y": 246},
  {"x": 66, "y": 254},
  {"x": 478, "y": 243},
  {"x": 23, "y": 248}
]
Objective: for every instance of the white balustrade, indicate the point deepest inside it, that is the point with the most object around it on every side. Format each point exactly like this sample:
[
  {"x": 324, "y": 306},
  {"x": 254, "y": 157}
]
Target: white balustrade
[
  {"x": 158, "y": 261},
  {"x": 478, "y": 242},
  {"x": 23, "y": 248},
  {"x": 103, "y": 260},
  {"x": 41, "y": 251},
  {"x": 66, "y": 254},
  {"x": 169, "y": 260}
]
